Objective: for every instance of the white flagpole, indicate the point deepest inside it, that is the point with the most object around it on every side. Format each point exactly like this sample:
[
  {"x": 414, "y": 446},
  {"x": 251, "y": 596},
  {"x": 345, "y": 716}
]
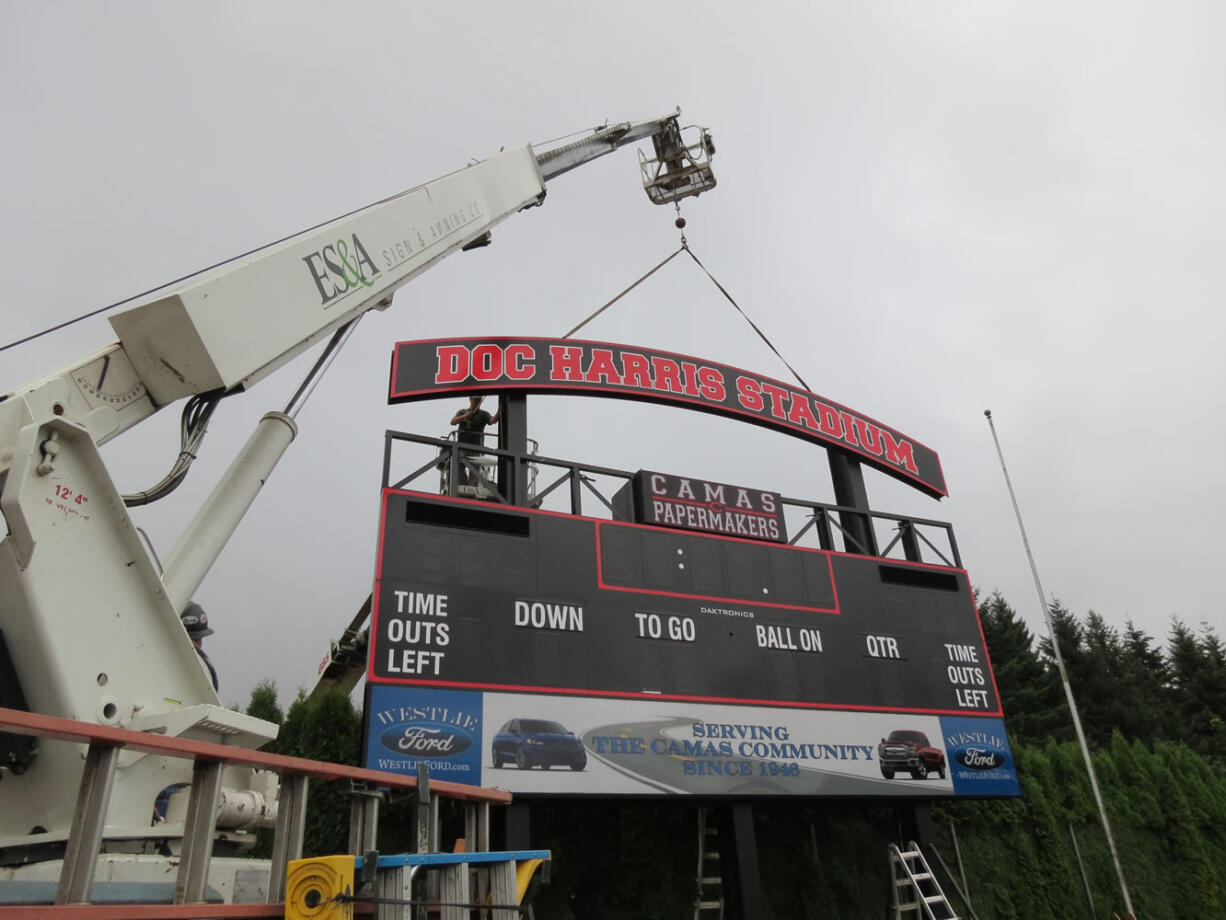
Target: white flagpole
[{"x": 1068, "y": 690}]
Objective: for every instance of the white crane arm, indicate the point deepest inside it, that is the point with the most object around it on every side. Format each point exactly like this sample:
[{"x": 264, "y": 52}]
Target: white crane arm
[
  {"x": 230, "y": 326},
  {"x": 90, "y": 627}
]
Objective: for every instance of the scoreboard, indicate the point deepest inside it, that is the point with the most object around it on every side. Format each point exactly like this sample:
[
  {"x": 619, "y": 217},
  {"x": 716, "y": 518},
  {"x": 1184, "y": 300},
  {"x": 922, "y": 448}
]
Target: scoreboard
[
  {"x": 684, "y": 648},
  {"x": 496, "y": 599},
  {"x": 620, "y": 627}
]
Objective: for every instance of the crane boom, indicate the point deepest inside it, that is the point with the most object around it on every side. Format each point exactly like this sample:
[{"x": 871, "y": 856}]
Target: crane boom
[
  {"x": 230, "y": 326},
  {"x": 600, "y": 141},
  {"x": 106, "y": 643}
]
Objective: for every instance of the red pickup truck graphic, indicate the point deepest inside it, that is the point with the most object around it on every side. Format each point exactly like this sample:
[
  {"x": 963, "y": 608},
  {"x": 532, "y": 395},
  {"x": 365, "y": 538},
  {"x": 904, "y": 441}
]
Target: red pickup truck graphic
[{"x": 910, "y": 751}]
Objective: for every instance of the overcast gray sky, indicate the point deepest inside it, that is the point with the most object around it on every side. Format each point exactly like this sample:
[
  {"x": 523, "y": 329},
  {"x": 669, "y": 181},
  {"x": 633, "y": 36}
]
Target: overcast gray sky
[{"x": 932, "y": 208}]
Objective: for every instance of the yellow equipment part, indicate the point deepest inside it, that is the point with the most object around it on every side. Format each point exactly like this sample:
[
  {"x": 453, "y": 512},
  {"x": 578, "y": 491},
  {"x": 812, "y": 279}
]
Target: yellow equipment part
[
  {"x": 311, "y": 886},
  {"x": 524, "y": 870}
]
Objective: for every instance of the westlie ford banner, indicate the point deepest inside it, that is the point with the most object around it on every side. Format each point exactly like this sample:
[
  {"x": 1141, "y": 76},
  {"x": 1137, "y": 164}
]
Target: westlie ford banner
[
  {"x": 433, "y": 368},
  {"x": 534, "y": 745},
  {"x": 697, "y": 504}
]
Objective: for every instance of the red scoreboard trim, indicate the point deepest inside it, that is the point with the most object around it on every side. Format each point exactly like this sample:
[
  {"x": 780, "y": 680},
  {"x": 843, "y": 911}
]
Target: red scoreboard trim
[
  {"x": 431, "y": 368},
  {"x": 730, "y": 601}
]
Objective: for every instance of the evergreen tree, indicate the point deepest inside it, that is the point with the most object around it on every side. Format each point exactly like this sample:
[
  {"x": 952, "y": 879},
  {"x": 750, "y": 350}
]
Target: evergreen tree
[
  {"x": 1198, "y": 689},
  {"x": 1214, "y": 694},
  {"x": 1031, "y": 701},
  {"x": 1133, "y": 797},
  {"x": 263, "y": 703},
  {"x": 1070, "y": 637},
  {"x": 1204, "y": 787},
  {"x": 1143, "y": 679},
  {"x": 326, "y": 728},
  {"x": 1103, "y": 700},
  {"x": 1072, "y": 783},
  {"x": 1199, "y": 878},
  {"x": 1055, "y": 883}
]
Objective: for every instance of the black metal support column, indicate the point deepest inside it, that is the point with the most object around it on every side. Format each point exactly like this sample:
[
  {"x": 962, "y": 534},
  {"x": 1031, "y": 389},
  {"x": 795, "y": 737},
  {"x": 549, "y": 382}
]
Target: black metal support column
[
  {"x": 915, "y": 823},
  {"x": 848, "y": 479},
  {"x": 517, "y": 831},
  {"x": 910, "y": 542},
  {"x": 742, "y": 880},
  {"x": 513, "y": 436}
]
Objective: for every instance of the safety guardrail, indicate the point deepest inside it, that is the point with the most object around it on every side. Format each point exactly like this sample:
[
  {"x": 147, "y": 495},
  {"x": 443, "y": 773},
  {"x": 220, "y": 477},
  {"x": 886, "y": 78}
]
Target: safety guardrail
[
  {"x": 85, "y": 838},
  {"x": 831, "y": 527}
]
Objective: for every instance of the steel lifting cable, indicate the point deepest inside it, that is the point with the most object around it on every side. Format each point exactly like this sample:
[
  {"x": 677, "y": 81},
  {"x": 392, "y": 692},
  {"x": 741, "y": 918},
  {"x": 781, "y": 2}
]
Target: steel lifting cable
[
  {"x": 753, "y": 325},
  {"x": 627, "y": 290},
  {"x": 685, "y": 247}
]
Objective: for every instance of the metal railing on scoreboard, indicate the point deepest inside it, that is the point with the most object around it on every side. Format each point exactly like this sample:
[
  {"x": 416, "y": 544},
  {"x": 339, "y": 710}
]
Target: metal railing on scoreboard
[{"x": 561, "y": 485}]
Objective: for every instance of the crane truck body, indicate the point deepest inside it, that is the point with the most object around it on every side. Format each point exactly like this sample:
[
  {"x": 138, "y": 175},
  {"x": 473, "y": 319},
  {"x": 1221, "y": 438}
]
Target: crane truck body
[{"x": 89, "y": 623}]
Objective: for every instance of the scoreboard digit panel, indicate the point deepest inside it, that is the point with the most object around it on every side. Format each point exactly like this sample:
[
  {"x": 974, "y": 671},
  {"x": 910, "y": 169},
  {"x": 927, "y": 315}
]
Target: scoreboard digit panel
[
  {"x": 471, "y": 595},
  {"x": 648, "y": 560}
]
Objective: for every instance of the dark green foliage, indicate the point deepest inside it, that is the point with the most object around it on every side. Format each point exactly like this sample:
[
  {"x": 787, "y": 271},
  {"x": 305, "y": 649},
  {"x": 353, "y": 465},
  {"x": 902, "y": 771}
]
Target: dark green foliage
[
  {"x": 1189, "y": 856},
  {"x": 1070, "y": 639},
  {"x": 613, "y": 860},
  {"x": 1165, "y": 807},
  {"x": 1031, "y": 699},
  {"x": 326, "y": 728},
  {"x": 1142, "y": 679},
  {"x": 1198, "y": 689},
  {"x": 263, "y": 703},
  {"x": 811, "y": 858},
  {"x": 993, "y": 851},
  {"x": 1105, "y": 699},
  {"x": 1121, "y": 682},
  {"x": 1202, "y": 784},
  {"x": 1071, "y": 784},
  {"x": 1046, "y": 825},
  {"x": 1132, "y": 796}
]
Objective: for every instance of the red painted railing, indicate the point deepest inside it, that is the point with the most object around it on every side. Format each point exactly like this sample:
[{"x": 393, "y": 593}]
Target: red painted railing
[
  {"x": 85, "y": 838},
  {"x": 28, "y": 723}
]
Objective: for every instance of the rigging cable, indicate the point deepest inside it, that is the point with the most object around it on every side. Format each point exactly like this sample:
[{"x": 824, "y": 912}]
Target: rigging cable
[
  {"x": 627, "y": 290},
  {"x": 752, "y": 324},
  {"x": 685, "y": 247}
]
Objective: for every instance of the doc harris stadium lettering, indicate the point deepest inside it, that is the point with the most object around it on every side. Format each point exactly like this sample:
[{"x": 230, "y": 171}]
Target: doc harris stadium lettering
[
  {"x": 340, "y": 267},
  {"x": 421, "y": 370},
  {"x": 618, "y": 367}
]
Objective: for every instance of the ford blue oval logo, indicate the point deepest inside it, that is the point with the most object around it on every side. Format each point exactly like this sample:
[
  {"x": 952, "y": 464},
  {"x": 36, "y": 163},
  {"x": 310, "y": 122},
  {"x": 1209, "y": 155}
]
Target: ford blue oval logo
[
  {"x": 426, "y": 739},
  {"x": 980, "y": 756}
]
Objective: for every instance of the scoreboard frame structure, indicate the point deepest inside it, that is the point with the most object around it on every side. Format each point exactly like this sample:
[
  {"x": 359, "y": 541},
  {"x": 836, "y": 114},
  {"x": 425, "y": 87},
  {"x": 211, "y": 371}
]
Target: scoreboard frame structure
[
  {"x": 663, "y": 660},
  {"x": 563, "y": 579}
]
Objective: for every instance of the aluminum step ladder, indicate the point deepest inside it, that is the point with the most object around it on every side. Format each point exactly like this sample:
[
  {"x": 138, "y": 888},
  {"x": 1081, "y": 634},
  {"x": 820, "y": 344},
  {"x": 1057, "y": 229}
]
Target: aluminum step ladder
[
  {"x": 709, "y": 895},
  {"x": 915, "y": 891}
]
